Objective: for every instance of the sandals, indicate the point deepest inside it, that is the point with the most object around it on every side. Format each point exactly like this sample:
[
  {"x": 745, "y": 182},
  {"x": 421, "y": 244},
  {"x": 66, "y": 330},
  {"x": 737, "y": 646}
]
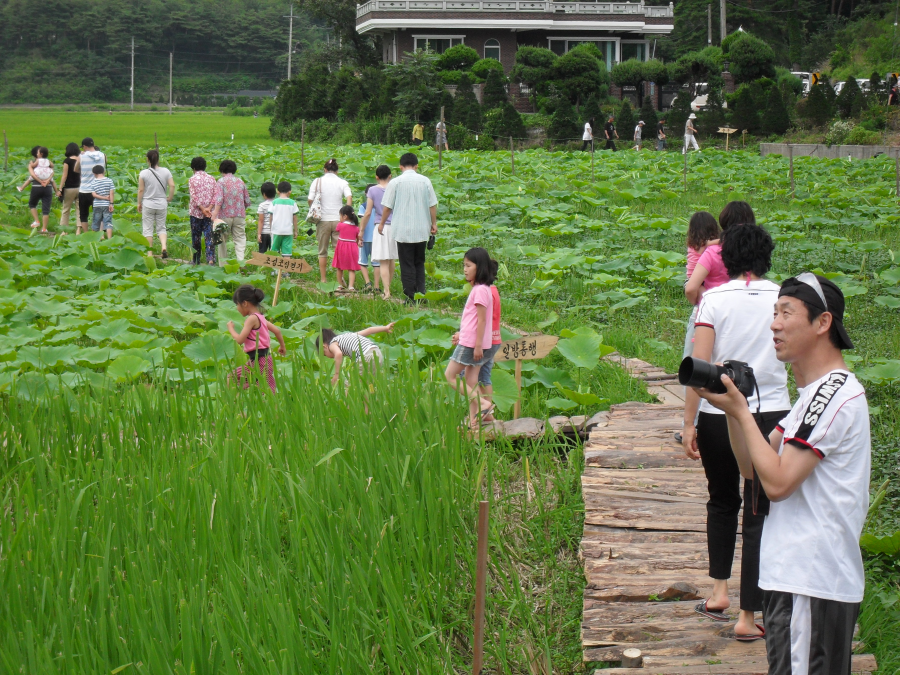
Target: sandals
[
  {"x": 714, "y": 614},
  {"x": 35, "y": 225},
  {"x": 367, "y": 288},
  {"x": 743, "y": 637}
]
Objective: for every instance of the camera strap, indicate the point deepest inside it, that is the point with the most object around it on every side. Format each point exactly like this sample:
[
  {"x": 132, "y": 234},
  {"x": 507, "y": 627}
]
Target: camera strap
[{"x": 759, "y": 423}]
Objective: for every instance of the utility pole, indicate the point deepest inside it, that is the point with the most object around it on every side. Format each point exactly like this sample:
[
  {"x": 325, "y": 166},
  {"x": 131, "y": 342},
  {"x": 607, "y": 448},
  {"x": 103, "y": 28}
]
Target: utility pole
[
  {"x": 709, "y": 25},
  {"x": 722, "y": 28},
  {"x": 170, "y": 81},
  {"x": 290, "y": 38},
  {"x": 132, "y": 72}
]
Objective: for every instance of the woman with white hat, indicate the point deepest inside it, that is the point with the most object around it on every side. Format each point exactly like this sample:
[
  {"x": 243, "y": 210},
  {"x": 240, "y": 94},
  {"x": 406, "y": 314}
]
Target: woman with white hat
[{"x": 689, "y": 137}]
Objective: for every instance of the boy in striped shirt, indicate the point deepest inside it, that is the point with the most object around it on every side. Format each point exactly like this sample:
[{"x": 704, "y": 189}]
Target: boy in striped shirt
[{"x": 104, "y": 194}]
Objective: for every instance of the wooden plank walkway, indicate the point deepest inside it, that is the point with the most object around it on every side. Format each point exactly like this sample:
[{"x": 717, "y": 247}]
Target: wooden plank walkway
[{"x": 644, "y": 546}]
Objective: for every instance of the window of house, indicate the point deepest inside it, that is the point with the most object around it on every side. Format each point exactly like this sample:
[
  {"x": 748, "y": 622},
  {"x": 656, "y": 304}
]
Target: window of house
[
  {"x": 607, "y": 48},
  {"x": 634, "y": 50},
  {"x": 438, "y": 44},
  {"x": 558, "y": 47},
  {"x": 492, "y": 49}
]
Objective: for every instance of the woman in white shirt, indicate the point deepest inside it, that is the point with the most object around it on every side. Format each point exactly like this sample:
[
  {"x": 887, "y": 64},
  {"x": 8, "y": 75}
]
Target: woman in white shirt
[
  {"x": 588, "y": 135},
  {"x": 333, "y": 191}
]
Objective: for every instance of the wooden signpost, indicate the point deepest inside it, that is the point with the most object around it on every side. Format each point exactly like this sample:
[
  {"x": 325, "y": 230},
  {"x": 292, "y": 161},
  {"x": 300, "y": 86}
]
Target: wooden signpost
[
  {"x": 280, "y": 263},
  {"x": 727, "y": 131},
  {"x": 521, "y": 349},
  {"x": 480, "y": 588}
]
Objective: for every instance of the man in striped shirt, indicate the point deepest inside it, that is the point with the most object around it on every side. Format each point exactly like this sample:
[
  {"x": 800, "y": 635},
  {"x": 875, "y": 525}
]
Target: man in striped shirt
[
  {"x": 104, "y": 196},
  {"x": 411, "y": 203}
]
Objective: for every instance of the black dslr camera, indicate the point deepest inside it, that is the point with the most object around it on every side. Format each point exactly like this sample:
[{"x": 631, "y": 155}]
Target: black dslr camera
[{"x": 698, "y": 373}]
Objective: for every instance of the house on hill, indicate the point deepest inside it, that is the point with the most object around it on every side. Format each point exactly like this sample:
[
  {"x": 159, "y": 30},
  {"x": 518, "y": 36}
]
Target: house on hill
[{"x": 497, "y": 28}]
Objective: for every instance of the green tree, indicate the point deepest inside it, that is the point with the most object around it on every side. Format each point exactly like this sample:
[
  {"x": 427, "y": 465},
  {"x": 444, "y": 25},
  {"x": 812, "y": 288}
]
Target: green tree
[
  {"x": 713, "y": 115},
  {"x": 459, "y": 57},
  {"x": 504, "y": 121},
  {"x": 534, "y": 68},
  {"x": 648, "y": 114},
  {"x": 750, "y": 57},
  {"x": 446, "y": 102},
  {"x": 847, "y": 97},
  {"x": 579, "y": 73},
  {"x": 494, "y": 95},
  {"x": 564, "y": 123},
  {"x": 483, "y": 67},
  {"x": 418, "y": 85},
  {"x": 625, "y": 120},
  {"x": 775, "y": 119},
  {"x": 744, "y": 112},
  {"x": 678, "y": 115},
  {"x": 466, "y": 109},
  {"x": 591, "y": 108},
  {"x": 815, "y": 108}
]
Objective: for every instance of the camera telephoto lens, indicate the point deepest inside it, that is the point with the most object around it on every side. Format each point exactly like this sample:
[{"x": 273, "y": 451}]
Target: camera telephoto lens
[{"x": 699, "y": 373}]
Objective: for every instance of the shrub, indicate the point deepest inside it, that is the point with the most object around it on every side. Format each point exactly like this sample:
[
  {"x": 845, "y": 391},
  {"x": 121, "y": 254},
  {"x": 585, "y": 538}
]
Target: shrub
[
  {"x": 534, "y": 66},
  {"x": 504, "y": 121},
  {"x": 482, "y": 67},
  {"x": 648, "y": 114},
  {"x": 847, "y": 98},
  {"x": 466, "y": 109},
  {"x": 458, "y": 58},
  {"x": 775, "y": 119},
  {"x": 580, "y": 73},
  {"x": 750, "y": 57},
  {"x": 564, "y": 124},
  {"x": 450, "y": 76},
  {"x": 494, "y": 95},
  {"x": 744, "y": 112},
  {"x": 625, "y": 120},
  {"x": 861, "y": 136},
  {"x": 815, "y": 108},
  {"x": 838, "y": 133}
]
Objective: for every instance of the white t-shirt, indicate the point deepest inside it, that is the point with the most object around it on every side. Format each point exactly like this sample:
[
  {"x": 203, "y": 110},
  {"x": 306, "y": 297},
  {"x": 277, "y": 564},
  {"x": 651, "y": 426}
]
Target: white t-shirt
[
  {"x": 810, "y": 541},
  {"x": 265, "y": 208},
  {"x": 637, "y": 132},
  {"x": 156, "y": 187},
  {"x": 588, "y": 132},
  {"x": 740, "y": 314},
  {"x": 89, "y": 160},
  {"x": 334, "y": 191},
  {"x": 283, "y": 210}
]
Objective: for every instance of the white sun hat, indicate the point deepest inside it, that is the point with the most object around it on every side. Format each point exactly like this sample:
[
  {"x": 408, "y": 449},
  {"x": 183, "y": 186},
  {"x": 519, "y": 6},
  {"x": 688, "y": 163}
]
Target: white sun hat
[{"x": 692, "y": 116}]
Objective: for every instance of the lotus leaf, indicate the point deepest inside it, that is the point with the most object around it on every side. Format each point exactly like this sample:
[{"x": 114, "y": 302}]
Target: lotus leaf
[
  {"x": 558, "y": 403},
  {"x": 127, "y": 367},
  {"x": 209, "y": 348},
  {"x": 108, "y": 331},
  {"x": 888, "y": 545},
  {"x": 888, "y": 301}
]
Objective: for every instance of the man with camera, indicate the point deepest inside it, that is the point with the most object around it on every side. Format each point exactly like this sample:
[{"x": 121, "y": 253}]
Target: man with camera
[
  {"x": 733, "y": 323},
  {"x": 815, "y": 469}
]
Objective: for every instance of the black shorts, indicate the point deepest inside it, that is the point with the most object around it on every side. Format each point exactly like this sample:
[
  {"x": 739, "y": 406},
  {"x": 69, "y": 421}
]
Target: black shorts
[
  {"x": 42, "y": 194},
  {"x": 811, "y": 632},
  {"x": 85, "y": 202}
]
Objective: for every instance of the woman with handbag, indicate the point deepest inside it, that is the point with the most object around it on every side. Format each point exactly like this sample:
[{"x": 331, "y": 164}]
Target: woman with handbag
[
  {"x": 326, "y": 195},
  {"x": 156, "y": 187}
]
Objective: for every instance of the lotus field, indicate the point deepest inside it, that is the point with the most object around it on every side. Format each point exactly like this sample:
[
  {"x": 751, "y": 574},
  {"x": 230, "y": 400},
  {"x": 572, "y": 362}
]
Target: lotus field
[{"x": 157, "y": 520}]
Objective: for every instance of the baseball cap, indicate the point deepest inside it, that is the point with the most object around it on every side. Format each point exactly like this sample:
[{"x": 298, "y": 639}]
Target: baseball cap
[
  {"x": 87, "y": 142},
  {"x": 641, "y": 122},
  {"x": 821, "y": 293}
]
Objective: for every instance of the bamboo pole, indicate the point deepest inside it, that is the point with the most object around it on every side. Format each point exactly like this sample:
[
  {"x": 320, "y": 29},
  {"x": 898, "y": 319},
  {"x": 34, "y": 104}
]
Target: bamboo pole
[
  {"x": 5, "y": 152},
  {"x": 277, "y": 287},
  {"x": 685, "y": 169},
  {"x": 156, "y": 141},
  {"x": 302, "y": 144},
  {"x": 441, "y": 145},
  {"x": 512, "y": 157},
  {"x": 791, "y": 160},
  {"x": 480, "y": 584},
  {"x": 592, "y": 160},
  {"x": 896, "y": 168},
  {"x": 517, "y": 410}
]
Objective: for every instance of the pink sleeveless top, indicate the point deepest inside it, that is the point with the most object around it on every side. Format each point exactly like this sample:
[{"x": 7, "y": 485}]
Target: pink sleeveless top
[{"x": 258, "y": 335}]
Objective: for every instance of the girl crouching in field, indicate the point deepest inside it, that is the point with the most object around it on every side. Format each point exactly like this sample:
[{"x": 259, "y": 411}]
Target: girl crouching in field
[
  {"x": 255, "y": 336},
  {"x": 474, "y": 332}
]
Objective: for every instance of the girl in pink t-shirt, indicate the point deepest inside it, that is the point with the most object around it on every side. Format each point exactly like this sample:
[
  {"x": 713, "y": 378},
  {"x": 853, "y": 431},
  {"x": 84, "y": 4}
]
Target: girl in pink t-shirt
[
  {"x": 255, "y": 337},
  {"x": 474, "y": 337},
  {"x": 704, "y": 260}
]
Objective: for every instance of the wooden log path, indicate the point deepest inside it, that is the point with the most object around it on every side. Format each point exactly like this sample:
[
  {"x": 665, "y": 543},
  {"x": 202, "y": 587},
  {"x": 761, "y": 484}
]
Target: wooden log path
[{"x": 644, "y": 546}]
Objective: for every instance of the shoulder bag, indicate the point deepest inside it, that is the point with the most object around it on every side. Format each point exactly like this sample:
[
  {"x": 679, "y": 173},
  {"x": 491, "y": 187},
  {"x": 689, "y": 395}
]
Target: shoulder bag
[{"x": 314, "y": 215}]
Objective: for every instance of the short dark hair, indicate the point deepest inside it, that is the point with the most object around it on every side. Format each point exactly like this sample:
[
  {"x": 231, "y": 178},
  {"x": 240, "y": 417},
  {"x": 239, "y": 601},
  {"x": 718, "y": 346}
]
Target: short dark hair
[
  {"x": 747, "y": 248},
  {"x": 366, "y": 191},
  {"x": 153, "y": 157},
  {"x": 34, "y": 151},
  {"x": 98, "y": 169},
  {"x": 227, "y": 166},
  {"x": 248, "y": 293},
  {"x": 268, "y": 189},
  {"x": 198, "y": 164},
  {"x": 331, "y": 165},
  {"x": 71, "y": 149},
  {"x": 702, "y": 228},
  {"x": 43, "y": 152},
  {"x": 87, "y": 142},
  {"x": 736, "y": 213},
  {"x": 814, "y": 313},
  {"x": 382, "y": 171},
  {"x": 485, "y": 272},
  {"x": 284, "y": 187},
  {"x": 327, "y": 336},
  {"x": 409, "y": 159}
]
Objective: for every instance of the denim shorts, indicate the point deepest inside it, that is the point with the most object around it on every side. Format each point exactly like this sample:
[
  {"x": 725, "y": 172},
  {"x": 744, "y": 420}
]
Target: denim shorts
[
  {"x": 102, "y": 219},
  {"x": 365, "y": 255},
  {"x": 484, "y": 375},
  {"x": 466, "y": 356}
]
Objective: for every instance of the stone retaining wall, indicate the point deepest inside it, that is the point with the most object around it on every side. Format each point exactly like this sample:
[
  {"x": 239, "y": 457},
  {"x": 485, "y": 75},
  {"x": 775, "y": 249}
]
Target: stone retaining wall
[{"x": 829, "y": 151}]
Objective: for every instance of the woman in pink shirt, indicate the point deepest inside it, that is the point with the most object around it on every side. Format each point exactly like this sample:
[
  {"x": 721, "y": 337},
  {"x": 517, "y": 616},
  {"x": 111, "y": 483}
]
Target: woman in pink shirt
[{"x": 473, "y": 342}]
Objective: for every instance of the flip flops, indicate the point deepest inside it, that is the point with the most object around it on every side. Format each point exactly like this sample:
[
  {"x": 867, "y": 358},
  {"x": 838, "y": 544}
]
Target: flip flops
[
  {"x": 714, "y": 614},
  {"x": 742, "y": 637}
]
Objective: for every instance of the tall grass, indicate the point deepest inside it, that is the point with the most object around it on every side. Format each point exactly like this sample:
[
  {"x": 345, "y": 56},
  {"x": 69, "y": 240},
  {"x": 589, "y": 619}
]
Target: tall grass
[{"x": 315, "y": 531}]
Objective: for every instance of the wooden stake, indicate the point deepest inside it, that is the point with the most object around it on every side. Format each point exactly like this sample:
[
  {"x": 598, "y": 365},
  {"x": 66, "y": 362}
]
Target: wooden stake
[
  {"x": 512, "y": 157},
  {"x": 302, "y": 144},
  {"x": 592, "y": 160},
  {"x": 685, "y": 169},
  {"x": 277, "y": 287},
  {"x": 518, "y": 408},
  {"x": 896, "y": 168},
  {"x": 480, "y": 587},
  {"x": 155, "y": 141},
  {"x": 791, "y": 160},
  {"x": 632, "y": 658},
  {"x": 5, "y": 152},
  {"x": 727, "y": 136},
  {"x": 441, "y": 145}
]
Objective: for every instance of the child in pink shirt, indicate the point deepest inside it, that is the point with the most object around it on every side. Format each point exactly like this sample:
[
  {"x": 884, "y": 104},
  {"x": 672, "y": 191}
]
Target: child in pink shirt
[
  {"x": 704, "y": 265},
  {"x": 474, "y": 338}
]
